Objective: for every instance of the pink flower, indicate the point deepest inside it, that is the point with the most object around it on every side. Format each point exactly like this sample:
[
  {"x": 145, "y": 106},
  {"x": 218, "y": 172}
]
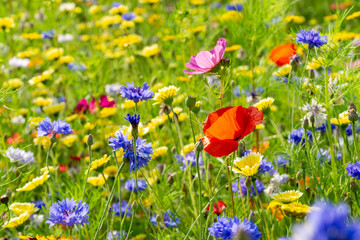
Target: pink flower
[
  {"x": 92, "y": 105},
  {"x": 82, "y": 106},
  {"x": 104, "y": 102},
  {"x": 204, "y": 61}
]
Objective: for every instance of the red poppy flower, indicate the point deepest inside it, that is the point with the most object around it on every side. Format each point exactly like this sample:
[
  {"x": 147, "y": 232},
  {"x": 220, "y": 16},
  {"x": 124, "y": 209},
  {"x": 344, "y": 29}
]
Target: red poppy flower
[
  {"x": 226, "y": 126},
  {"x": 62, "y": 168},
  {"x": 218, "y": 207},
  {"x": 75, "y": 158},
  {"x": 281, "y": 54},
  {"x": 16, "y": 138}
]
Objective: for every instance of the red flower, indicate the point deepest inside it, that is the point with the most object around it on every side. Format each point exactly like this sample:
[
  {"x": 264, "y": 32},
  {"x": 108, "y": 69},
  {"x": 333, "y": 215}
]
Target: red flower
[
  {"x": 226, "y": 126},
  {"x": 84, "y": 106},
  {"x": 281, "y": 54},
  {"x": 75, "y": 158},
  {"x": 218, "y": 207},
  {"x": 62, "y": 168},
  {"x": 104, "y": 102},
  {"x": 16, "y": 138}
]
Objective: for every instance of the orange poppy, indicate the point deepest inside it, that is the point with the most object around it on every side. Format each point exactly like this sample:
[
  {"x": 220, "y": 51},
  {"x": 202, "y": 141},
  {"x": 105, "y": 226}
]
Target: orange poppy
[
  {"x": 281, "y": 54},
  {"x": 226, "y": 126}
]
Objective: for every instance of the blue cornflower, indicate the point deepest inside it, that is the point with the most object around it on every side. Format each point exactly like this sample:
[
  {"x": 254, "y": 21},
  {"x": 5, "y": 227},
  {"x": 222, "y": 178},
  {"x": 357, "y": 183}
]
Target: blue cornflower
[
  {"x": 327, "y": 222},
  {"x": 76, "y": 67},
  {"x": 324, "y": 154},
  {"x": 68, "y": 213},
  {"x": 234, "y": 7},
  {"x": 282, "y": 160},
  {"x": 39, "y": 204},
  {"x": 243, "y": 189},
  {"x": 349, "y": 130},
  {"x": 116, "y": 235},
  {"x": 128, "y": 16},
  {"x": 229, "y": 228},
  {"x": 296, "y": 136},
  {"x": 124, "y": 208},
  {"x": 265, "y": 166},
  {"x": 49, "y": 34},
  {"x": 191, "y": 160},
  {"x": 354, "y": 170},
  {"x": 136, "y": 94},
  {"x": 143, "y": 149},
  {"x": 116, "y": 4},
  {"x": 133, "y": 120},
  {"x": 311, "y": 38},
  {"x": 130, "y": 185},
  {"x": 170, "y": 219},
  {"x": 284, "y": 238},
  {"x": 46, "y": 127},
  {"x": 323, "y": 128}
]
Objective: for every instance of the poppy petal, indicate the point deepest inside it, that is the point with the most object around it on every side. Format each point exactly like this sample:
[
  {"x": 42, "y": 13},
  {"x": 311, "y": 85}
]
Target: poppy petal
[
  {"x": 251, "y": 117},
  {"x": 219, "y": 148},
  {"x": 281, "y": 54},
  {"x": 212, "y": 117}
]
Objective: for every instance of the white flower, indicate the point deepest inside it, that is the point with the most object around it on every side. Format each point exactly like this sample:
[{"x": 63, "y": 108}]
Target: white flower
[
  {"x": 112, "y": 89},
  {"x": 67, "y": 6},
  {"x": 18, "y": 120},
  {"x": 19, "y": 62},
  {"x": 315, "y": 111},
  {"x": 65, "y": 38},
  {"x": 19, "y": 155},
  {"x": 274, "y": 186}
]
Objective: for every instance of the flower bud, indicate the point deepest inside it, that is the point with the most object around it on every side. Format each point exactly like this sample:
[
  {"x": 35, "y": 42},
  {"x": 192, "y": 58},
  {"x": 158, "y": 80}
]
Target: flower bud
[
  {"x": 353, "y": 186},
  {"x": 196, "y": 108},
  {"x": 190, "y": 102},
  {"x": 4, "y": 199},
  {"x": 352, "y": 106},
  {"x": 251, "y": 216},
  {"x": 353, "y": 116},
  {"x": 225, "y": 62},
  {"x": 298, "y": 176},
  {"x": 306, "y": 124},
  {"x": 90, "y": 140},
  {"x": 199, "y": 146},
  {"x": 53, "y": 138},
  {"x": 165, "y": 109},
  {"x": 248, "y": 182}
]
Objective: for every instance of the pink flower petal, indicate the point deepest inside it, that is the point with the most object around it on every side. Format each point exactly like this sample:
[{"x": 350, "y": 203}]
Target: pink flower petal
[{"x": 204, "y": 59}]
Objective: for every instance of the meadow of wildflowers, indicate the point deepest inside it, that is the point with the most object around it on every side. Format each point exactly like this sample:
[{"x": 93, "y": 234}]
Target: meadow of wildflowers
[{"x": 179, "y": 119}]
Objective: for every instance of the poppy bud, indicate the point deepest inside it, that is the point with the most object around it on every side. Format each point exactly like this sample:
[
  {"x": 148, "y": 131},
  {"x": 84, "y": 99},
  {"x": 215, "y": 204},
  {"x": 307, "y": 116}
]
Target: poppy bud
[
  {"x": 90, "y": 140},
  {"x": 225, "y": 62},
  {"x": 165, "y": 109},
  {"x": 211, "y": 166},
  {"x": 4, "y": 199},
  {"x": 170, "y": 179},
  {"x": 190, "y": 102},
  {"x": 173, "y": 150},
  {"x": 298, "y": 176},
  {"x": 199, "y": 146},
  {"x": 353, "y": 116},
  {"x": 196, "y": 108}
]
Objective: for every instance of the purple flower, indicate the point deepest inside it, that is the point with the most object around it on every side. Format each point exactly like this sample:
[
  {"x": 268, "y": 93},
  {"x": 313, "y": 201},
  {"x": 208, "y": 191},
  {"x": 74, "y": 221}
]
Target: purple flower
[
  {"x": 116, "y": 235},
  {"x": 128, "y": 16},
  {"x": 39, "y": 204},
  {"x": 46, "y": 127},
  {"x": 119, "y": 141},
  {"x": 327, "y": 222},
  {"x": 124, "y": 208},
  {"x": 311, "y": 37},
  {"x": 130, "y": 185},
  {"x": 354, "y": 170},
  {"x": 265, "y": 166},
  {"x": 136, "y": 94},
  {"x": 49, "y": 34},
  {"x": 296, "y": 136},
  {"x": 76, "y": 67},
  {"x": 243, "y": 189},
  {"x": 191, "y": 160},
  {"x": 235, "y": 7},
  {"x": 324, "y": 127},
  {"x": 229, "y": 228},
  {"x": 133, "y": 120},
  {"x": 170, "y": 219},
  {"x": 68, "y": 213}
]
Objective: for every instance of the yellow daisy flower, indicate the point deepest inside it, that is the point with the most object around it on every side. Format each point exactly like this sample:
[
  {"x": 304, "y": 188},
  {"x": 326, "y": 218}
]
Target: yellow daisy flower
[
  {"x": 293, "y": 209},
  {"x": 166, "y": 94},
  {"x": 247, "y": 165},
  {"x": 99, "y": 162},
  {"x": 287, "y": 196},
  {"x": 96, "y": 181},
  {"x": 6, "y": 23},
  {"x": 353, "y": 15},
  {"x": 110, "y": 171},
  {"x": 188, "y": 148},
  {"x": 106, "y": 112},
  {"x": 13, "y": 83},
  {"x": 233, "y": 48},
  {"x": 16, "y": 221},
  {"x": 149, "y": 51},
  {"x": 159, "y": 152},
  {"x": 34, "y": 183},
  {"x": 283, "y": 71},
  {"x": 54, "y": 108},
  {"x": 264, "y": 104},
  {"x": 54, "y": 53},
  {"x": 20, "y": 208},
  {"x": 69, "y": 140},
  {"x": 295, "y": 19},
  {"x": 343, "y": 119}
]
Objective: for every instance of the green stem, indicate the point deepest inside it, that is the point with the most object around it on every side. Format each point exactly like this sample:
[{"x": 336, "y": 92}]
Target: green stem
[
  {"x": 261, "y": 209},
  {"x": 108, "y": 202},
  {"x": 229, "y": 185},
  {"x": 119, "y": 185},
  {"x": 87, "y": 174},
  {"x": 200, "y": 192},
  {"x": 354, "y": 140}
]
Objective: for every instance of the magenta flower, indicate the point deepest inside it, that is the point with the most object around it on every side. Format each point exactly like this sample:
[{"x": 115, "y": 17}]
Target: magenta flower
[
  {"x": 104, "y": 102},
  {"x": 204, "y": 61}
]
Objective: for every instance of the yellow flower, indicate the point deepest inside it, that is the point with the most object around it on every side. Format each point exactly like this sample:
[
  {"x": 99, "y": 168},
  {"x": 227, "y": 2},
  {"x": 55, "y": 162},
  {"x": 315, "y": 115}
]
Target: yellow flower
[
  {"x": 96, "y": 181},
  {"x": 233, "y": 48},
  {"x": 13, "y": 83},
  {"x": 127, "y": 24},
  {"x": 16, "y": 221},
  {"x": 42, "y": 102},
  {"x": 183, "y": 78},
  {"x": 313, "y": 22},
  {"x": 94, "y": 9},
  {"x": 54, "y": 108},
  {"x": 149, "y": 51},
  {"x": 54, "y": 53},
  {"x": 247, "y": 165},
  {"x": 166, "y": 94},
  {"x": 295, "y": 19},
  {"x": 353, "y": 15},
  {"x": 183, "y": 116},
  {"x": 293, "y": 209},
  {"x": 342, "y": 119},
  {"x": 34, "y": 183},
  {"x": 106, "y": 112},
  {"x": 31, "y": 36},
  {"x": 331, "y": 17},
  {"x": 149, "y": 1},
  {"x": 110, "y": 171},
  {"x": 69, "y": 140},
  {"x": 283, "y": 71},
  {"x": 107, "y": 21},
  {"x": 128, "y": 104},
  {"x": 120, "y": 9},
  {"x": 71, "y": 117},
  {"x": 39, "y": 237},
  {"x": 197, "y": 2},
  {"x": 260, "y": 126},
  {"x": 344, "y": 36},
  {"x": 126, "y": 40},
  {"x": 188, "y": 148},
  {"x": 287, "y": 196},
  {"x": 40, "y": 78},
  {"x": 99, "y": 162},
  {"x": 42, "y": 141},
  {"x": 264, "y": 104},
  {"x": 159, "y": 152},
  {"x": 20, "y": 208},
  {"x": 6, "y": 23},
  {"x": 231, "y": 16},
  {"x": 65, "y": 59},
  {"x": 28, "y": 53},
  {"x": 47, "y": 169},
  {"x": 89, "y": 126}
]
